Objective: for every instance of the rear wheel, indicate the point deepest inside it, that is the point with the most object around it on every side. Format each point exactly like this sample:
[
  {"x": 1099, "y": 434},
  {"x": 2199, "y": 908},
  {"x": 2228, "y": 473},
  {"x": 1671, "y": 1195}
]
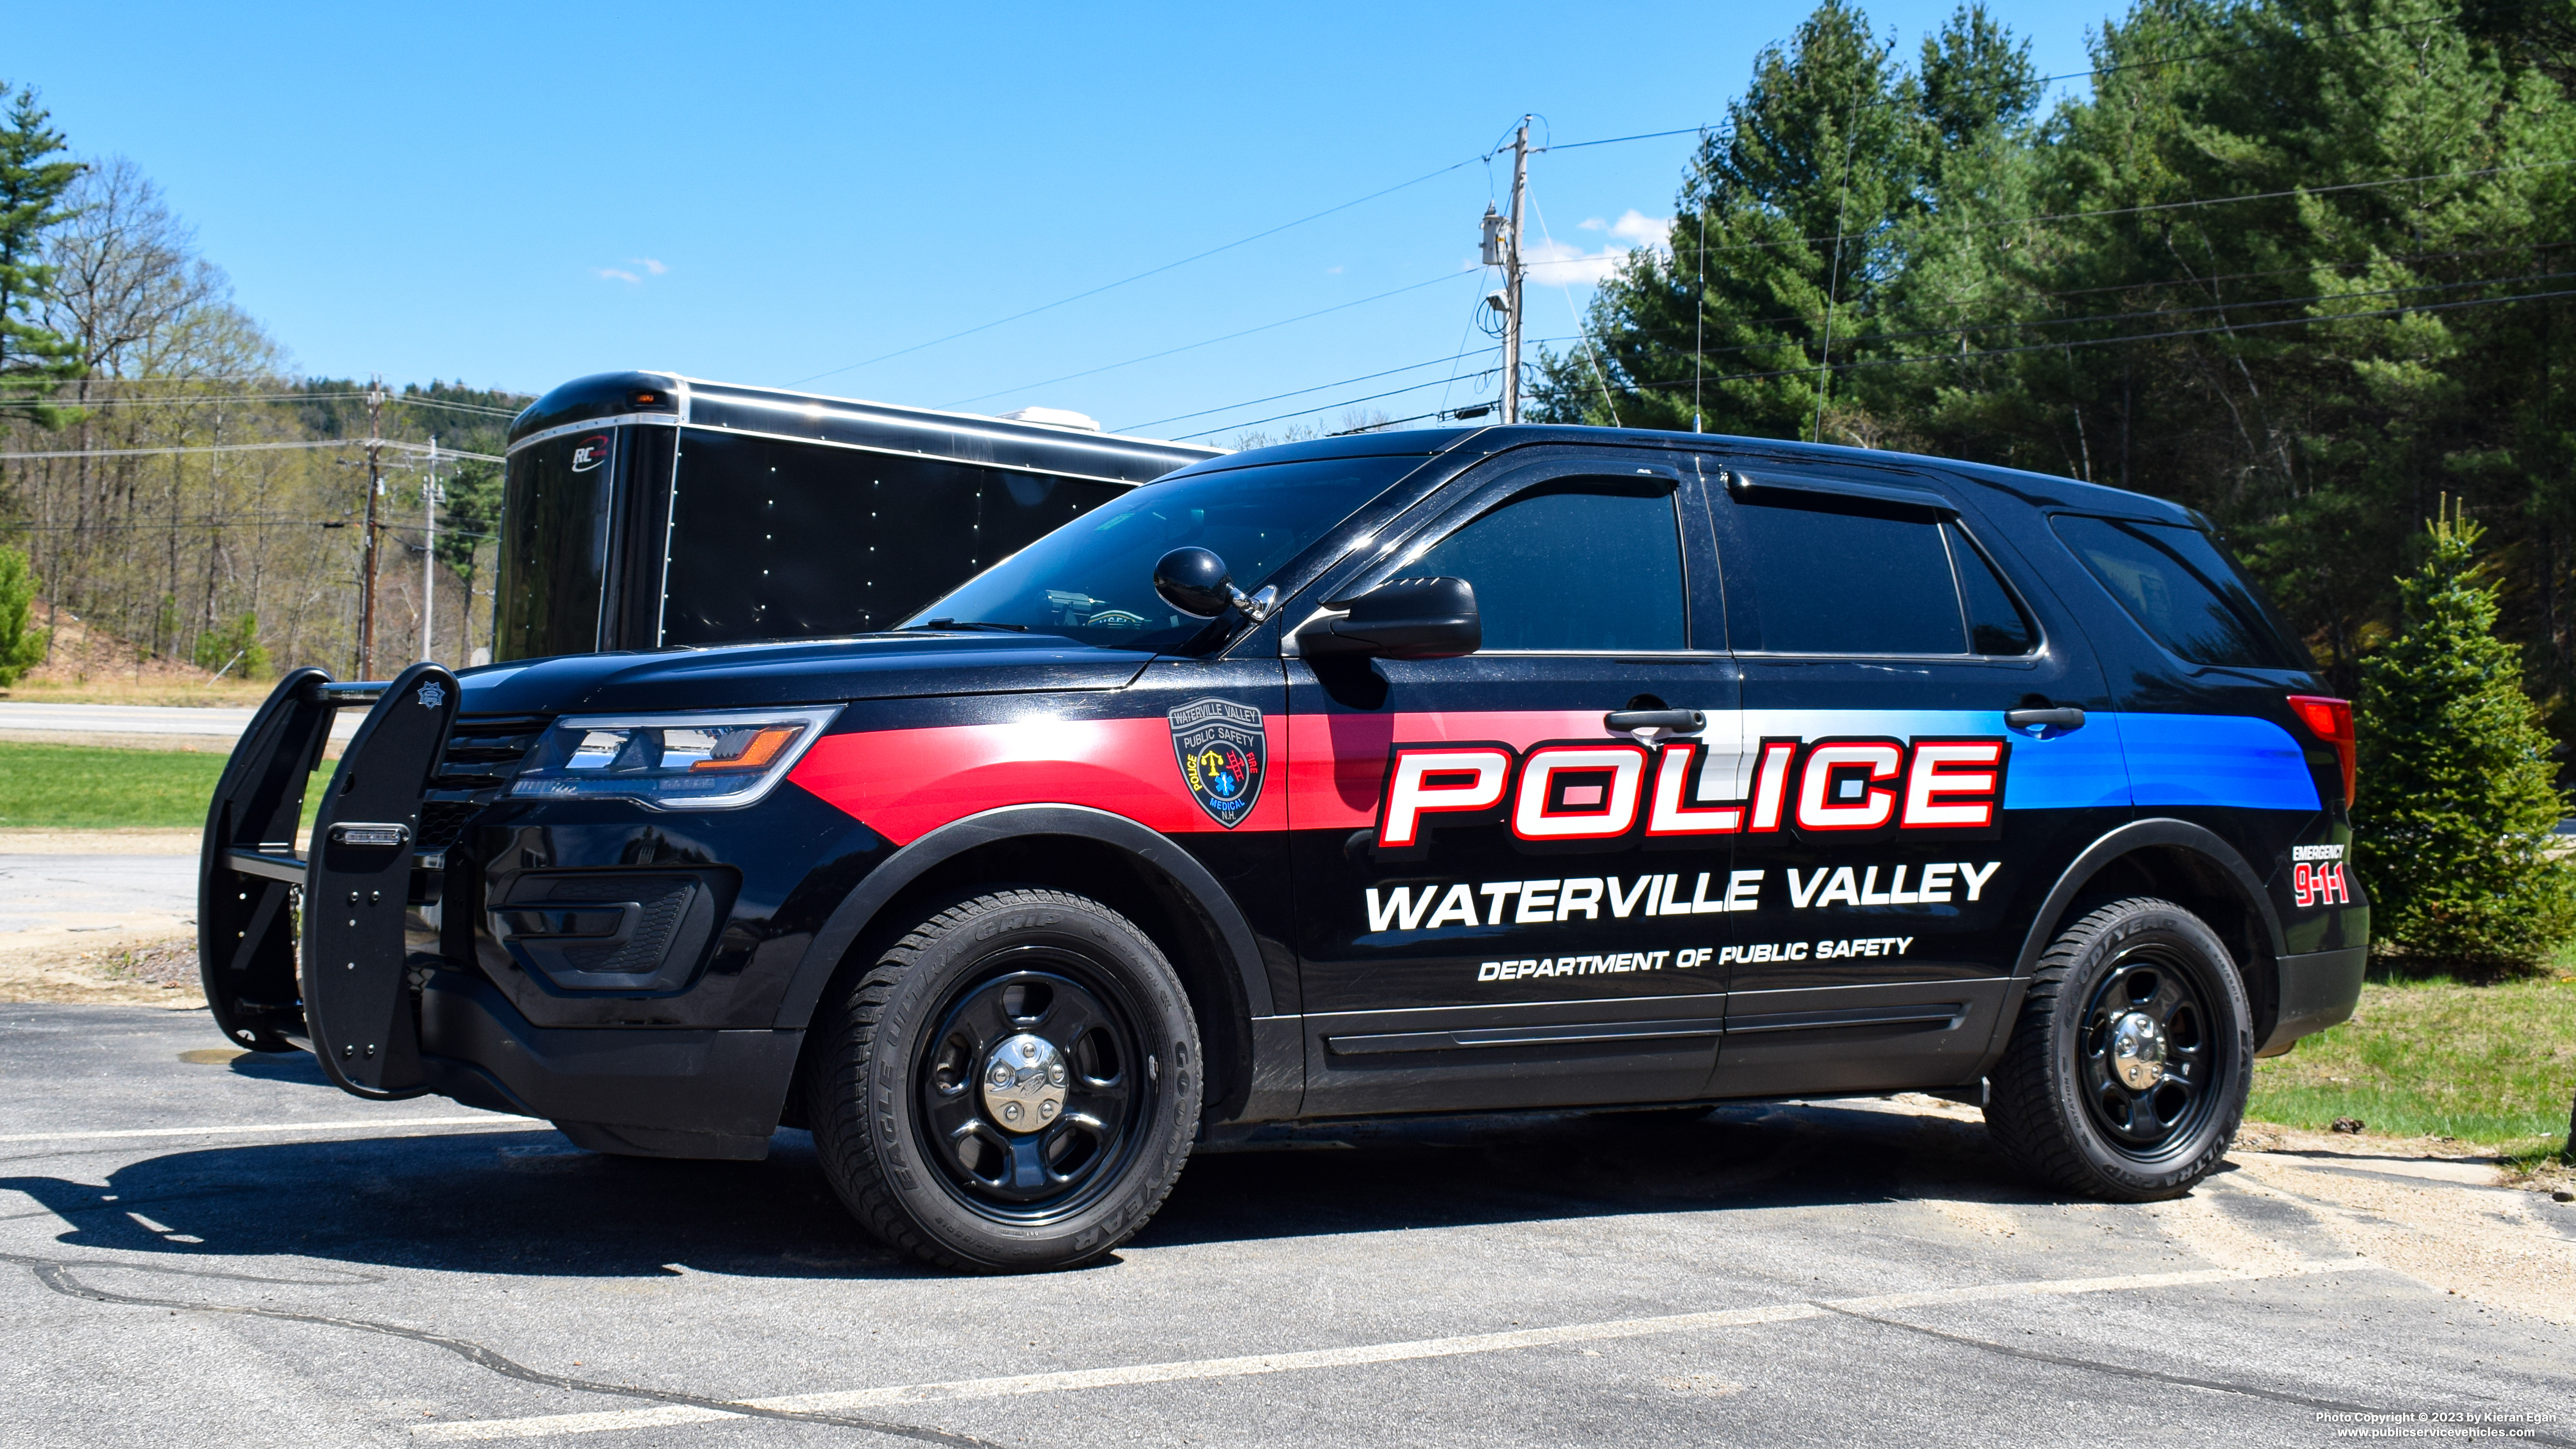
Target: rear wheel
[
  {"x": 2127, "y": 1073},
  {"x": 1013, "y": 1086}
]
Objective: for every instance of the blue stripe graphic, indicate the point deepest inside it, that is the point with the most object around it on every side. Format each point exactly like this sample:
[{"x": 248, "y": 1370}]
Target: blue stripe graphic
[{"x": 2117, "y": 759}]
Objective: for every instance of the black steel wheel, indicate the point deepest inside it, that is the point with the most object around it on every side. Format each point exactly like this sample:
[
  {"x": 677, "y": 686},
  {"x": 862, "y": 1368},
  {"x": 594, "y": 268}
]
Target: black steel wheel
[
  {"x": 1031, "y": 1088},
  {"x": 1013, "y": 1085},
  {"x": 2127, "y": 1071}
]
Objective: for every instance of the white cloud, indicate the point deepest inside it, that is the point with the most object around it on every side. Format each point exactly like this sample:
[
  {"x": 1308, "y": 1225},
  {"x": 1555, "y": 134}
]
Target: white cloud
[
  {"x": 1567, "y": 264},
  {"x": 1633, "y": 226},
  {"x": 643, "y": 267}
]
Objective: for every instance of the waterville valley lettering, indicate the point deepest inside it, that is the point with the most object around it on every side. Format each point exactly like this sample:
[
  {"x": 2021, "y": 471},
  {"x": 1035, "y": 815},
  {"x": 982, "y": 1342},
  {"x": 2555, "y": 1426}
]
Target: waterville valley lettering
[{"x": 1551, "y": 902}]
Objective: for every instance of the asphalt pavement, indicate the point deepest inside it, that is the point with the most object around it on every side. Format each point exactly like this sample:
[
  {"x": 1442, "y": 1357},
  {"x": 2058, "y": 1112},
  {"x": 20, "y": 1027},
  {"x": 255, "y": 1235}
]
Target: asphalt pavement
[{"x": 205, "y": 1247}]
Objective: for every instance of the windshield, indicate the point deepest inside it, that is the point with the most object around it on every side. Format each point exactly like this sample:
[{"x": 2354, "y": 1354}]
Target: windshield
[{"x": 1093, "y": 579}]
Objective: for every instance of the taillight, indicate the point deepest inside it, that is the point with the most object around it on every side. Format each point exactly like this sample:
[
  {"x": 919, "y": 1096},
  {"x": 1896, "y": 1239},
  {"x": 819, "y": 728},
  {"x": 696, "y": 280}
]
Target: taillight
[{"x": 2330, "y": 720}]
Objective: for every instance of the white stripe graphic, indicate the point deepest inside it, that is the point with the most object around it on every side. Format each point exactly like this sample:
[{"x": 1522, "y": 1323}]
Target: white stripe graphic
[
  {"x": 1356, "y": 1356},
  {"x": 480, "y": 1119}
]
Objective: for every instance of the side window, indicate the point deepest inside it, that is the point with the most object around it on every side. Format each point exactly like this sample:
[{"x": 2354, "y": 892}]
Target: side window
[
  {"x": 1571, "y": 571},
  {"x": 1996, "y": 623},
  {"x": 1828, "y": 576},
  {"x": 2180, "y": 589}
]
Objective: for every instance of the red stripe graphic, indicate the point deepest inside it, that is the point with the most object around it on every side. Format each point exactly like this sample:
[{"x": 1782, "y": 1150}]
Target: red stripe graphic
[{"x": 906, "y": 783}]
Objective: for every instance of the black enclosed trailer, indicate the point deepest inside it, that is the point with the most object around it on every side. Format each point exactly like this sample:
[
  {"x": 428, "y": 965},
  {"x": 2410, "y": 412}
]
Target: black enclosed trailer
[{"x": 645, "y": 508}]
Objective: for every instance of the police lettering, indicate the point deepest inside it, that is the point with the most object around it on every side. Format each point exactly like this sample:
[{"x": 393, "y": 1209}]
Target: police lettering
[{"x": 1600, "y": 792}]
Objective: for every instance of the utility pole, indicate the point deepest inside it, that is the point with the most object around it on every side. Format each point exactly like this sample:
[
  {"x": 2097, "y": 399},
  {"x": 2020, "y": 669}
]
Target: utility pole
[
  {"x": 1512, "y": 281},
  {"x": 429, "y": 553},
  {"x": 375, "y": 491}
]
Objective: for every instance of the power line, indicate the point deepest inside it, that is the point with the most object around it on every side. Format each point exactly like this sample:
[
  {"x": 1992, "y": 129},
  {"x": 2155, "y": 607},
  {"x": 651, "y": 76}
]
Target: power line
[
  {"x": 1328, "y": 407},
  {"x": 1140, "y": 276},
  {"x": 1301, "y": 392},
  {"x": 2045, "y": 80},
  {"x": 256, "y": 448},
  {"x": 1212, "y": 341},
  {"x": 192, "y": 399},
  {"x": 2069, "y": 343}
]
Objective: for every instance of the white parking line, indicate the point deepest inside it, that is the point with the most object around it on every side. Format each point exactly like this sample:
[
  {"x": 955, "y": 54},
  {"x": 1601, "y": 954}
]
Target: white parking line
[
  {"x": 480, "y": 1119},
  {"x": 1376, "y": 1353}
]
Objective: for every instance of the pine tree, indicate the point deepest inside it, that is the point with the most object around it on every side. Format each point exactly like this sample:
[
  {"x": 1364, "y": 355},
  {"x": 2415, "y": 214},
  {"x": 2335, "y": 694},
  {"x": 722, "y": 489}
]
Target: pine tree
[
  {"x": 21, "y": 647},
  {"x": 33, "y": 178},
  {"x": 2457, "y": 800}
]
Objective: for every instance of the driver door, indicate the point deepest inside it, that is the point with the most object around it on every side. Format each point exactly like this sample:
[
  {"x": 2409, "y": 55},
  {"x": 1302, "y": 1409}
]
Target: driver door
[{"x": 1494, "y": 906}]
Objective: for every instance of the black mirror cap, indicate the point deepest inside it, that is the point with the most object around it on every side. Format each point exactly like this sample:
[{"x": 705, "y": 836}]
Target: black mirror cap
[
  {"x": 1194, "y": 580},
  {"x": 1432, "y": 618}
]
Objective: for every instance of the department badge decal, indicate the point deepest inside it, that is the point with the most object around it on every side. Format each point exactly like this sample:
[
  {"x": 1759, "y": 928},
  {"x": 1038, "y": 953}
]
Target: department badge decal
[{"x": 1220, "y": 747}]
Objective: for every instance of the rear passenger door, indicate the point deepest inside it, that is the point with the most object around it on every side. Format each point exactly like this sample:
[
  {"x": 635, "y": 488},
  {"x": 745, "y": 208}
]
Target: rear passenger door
[
  {"x": 1485, "y": 919},
  {"x": 1898, "y": 826}
]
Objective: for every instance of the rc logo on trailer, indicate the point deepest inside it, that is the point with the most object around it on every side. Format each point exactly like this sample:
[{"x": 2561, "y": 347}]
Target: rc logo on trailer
[{"x": 1222, "y": 751}]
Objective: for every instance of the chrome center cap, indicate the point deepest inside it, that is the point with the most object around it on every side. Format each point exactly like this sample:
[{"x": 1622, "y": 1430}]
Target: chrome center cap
[
  {"x": 2138, "y": 1051},
  {"x": 1023, "y": 1083}
]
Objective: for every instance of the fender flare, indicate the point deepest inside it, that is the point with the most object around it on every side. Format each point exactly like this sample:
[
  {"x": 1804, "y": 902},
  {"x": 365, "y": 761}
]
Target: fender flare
[
  {"x": 2134, "y": 836},
  {"x": 858, "y": 910}
]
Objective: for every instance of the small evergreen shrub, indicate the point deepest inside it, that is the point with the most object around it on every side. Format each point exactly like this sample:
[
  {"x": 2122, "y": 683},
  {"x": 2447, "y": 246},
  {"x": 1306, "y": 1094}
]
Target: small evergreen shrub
[
  {"x": 2458, "y": 798},
  {"x": 234, "y": 647},
  {"x": 22, "y": 646}
]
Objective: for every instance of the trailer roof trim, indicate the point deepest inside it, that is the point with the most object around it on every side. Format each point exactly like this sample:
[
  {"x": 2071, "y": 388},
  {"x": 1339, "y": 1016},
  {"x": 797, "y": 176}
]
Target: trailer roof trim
[{"x": 608, "y": 400}]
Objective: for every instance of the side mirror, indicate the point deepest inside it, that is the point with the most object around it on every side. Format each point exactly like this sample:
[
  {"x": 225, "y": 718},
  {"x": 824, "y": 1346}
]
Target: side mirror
[
  {"x": 1195, "y": 581},
  {"x": 1399, "y": 619}
]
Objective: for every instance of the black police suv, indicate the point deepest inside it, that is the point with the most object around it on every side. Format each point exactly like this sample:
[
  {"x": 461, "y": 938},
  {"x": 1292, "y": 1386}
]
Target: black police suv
[{"x": 1437, "y": 771}]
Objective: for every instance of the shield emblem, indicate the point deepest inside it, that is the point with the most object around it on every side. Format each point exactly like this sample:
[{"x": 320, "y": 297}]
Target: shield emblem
[{"x": 1219, "y": 745}]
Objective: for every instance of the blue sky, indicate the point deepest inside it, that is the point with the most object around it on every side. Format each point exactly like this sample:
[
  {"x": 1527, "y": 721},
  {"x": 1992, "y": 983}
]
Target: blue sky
[{"x": 516, "y": 195}]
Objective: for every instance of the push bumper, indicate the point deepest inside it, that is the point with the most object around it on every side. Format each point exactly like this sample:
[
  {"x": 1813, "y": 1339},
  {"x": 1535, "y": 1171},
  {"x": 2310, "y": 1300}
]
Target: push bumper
[{"x": 2317, "y": 990}]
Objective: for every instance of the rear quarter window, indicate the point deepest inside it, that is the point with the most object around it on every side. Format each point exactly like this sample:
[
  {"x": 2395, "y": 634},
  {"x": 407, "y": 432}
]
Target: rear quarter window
[{"x": 2186, "y": 594}]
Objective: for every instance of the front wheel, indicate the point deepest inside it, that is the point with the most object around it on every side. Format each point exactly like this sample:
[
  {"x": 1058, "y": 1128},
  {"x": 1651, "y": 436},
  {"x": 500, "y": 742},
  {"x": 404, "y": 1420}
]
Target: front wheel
[
  {"x": 1013, "y": 1086},
  {"x": 2127, "y": 1073}
]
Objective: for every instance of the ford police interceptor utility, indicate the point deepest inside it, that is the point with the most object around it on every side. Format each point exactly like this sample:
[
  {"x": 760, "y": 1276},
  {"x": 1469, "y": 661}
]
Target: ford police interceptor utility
[{"x": 1437, "y": 771}]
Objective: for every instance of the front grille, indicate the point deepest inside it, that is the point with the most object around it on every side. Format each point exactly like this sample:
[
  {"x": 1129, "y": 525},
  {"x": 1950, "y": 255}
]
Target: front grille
[{"x": 484, "y": 753}]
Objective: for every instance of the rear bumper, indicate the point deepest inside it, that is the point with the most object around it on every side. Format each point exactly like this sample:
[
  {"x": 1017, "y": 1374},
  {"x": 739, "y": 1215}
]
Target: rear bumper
[
  {"x": 640, "y": 1091},
  {"x": 2317, "y": 990}
]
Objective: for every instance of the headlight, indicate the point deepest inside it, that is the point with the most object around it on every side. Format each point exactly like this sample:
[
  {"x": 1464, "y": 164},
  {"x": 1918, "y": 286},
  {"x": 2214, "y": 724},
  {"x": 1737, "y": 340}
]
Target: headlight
[{"x": 671, "y": 761}]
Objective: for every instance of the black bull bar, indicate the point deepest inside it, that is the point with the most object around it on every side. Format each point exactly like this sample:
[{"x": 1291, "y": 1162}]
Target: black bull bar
[{"x": 349, "y": 1003}]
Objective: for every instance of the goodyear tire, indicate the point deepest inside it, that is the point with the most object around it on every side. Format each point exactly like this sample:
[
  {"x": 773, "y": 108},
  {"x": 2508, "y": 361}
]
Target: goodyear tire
[
  {"x": 2127, "y": 1072},
  {"x": 1012, "y": 1086}
]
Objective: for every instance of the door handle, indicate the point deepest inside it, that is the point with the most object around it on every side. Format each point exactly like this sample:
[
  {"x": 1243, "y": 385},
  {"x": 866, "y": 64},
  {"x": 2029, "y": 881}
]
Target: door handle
[
  {"x": 2061, "y": 717},
  {"x": 1670, "y": 721}
]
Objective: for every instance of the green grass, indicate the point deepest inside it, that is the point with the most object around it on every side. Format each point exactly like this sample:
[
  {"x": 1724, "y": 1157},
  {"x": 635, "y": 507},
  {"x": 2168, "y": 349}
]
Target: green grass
[
  {"x": 84, "y": 787},
  {"x": 2492, "y": 1065}
]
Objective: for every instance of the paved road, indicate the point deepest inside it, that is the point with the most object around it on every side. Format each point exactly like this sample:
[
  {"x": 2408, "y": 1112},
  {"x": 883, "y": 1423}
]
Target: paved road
[
  {"x": 42, "y": 892},
  {"x": 232, "y": 1249},
  {"x": 75, "y": 720}
]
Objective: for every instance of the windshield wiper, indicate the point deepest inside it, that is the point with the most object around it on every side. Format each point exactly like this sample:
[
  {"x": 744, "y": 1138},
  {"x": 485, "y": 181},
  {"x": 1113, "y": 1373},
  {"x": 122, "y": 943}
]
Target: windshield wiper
[{"x": 969, "y": 624}]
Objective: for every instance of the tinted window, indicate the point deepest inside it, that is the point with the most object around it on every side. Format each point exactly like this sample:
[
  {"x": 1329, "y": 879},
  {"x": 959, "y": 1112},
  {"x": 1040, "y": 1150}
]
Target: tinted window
[
  {"x": 1093, "y": 579},
  {"x": 2180, "y": 589},
  {"x": 1570, "y": 571},
  {"x": 1996, "y": 624},
  {"x": 1828, "y": 579}
]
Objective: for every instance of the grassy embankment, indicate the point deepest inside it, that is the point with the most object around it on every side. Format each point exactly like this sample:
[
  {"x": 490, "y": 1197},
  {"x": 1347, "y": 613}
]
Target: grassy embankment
[
  {"x": 83, "y": 787},
  {"x": 2490, "y": 1065}
]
